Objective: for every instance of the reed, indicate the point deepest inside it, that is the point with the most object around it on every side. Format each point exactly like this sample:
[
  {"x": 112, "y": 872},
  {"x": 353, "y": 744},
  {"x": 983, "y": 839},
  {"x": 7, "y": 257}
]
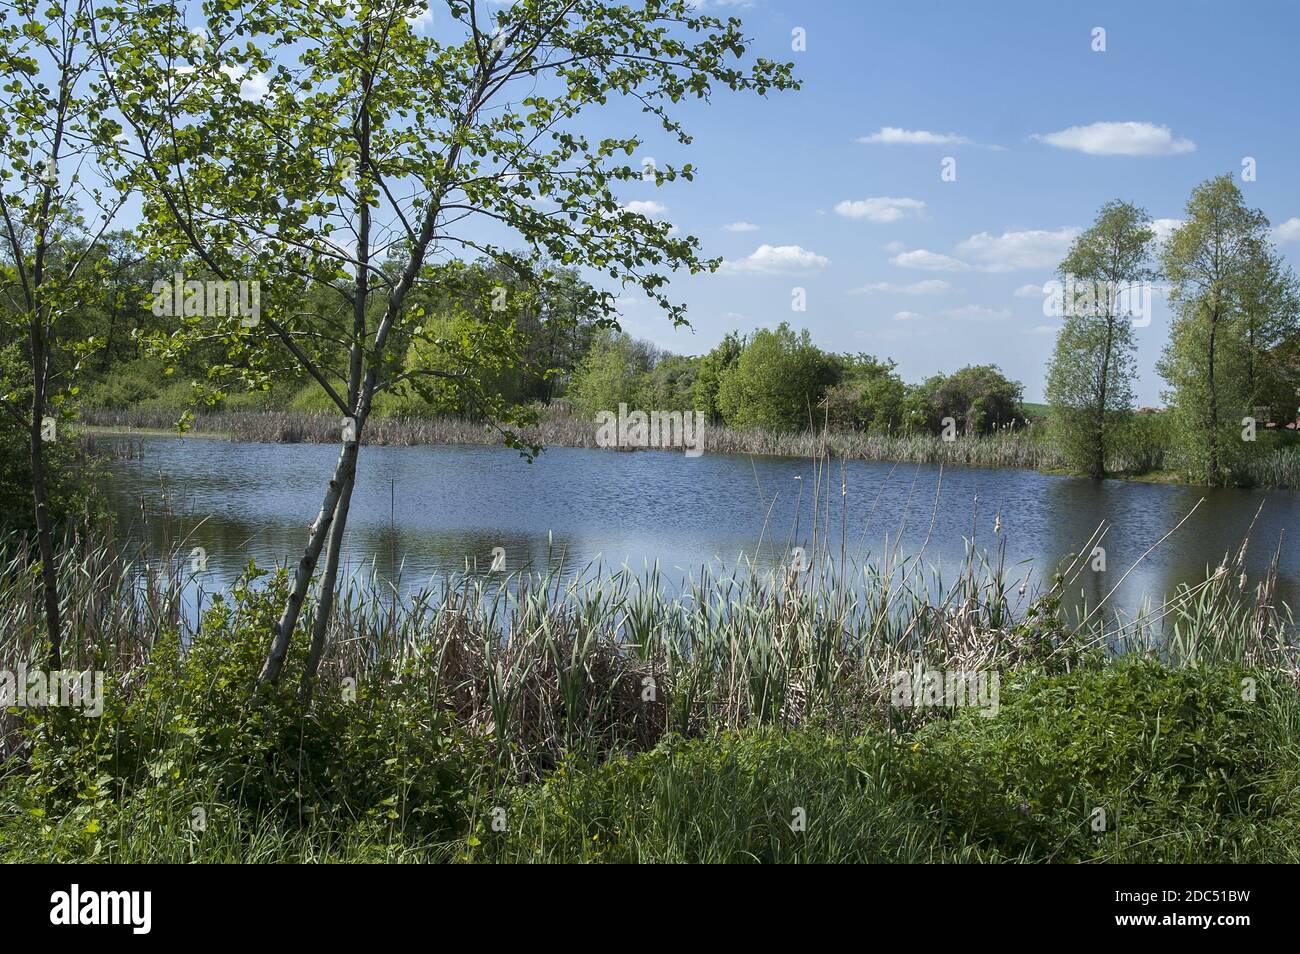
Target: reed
[{"x": 547, "y": 665}]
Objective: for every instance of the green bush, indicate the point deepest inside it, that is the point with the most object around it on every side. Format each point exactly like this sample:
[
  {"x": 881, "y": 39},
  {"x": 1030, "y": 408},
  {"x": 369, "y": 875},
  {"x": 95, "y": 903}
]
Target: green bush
[
  {"x": 1176, "y": 758},
  {"x": 188, "y": 733}
]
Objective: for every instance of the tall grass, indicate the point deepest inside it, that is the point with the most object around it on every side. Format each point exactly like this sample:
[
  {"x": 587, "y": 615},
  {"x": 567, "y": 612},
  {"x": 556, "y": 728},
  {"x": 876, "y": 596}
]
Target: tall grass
[{"x": 541, "y": 666}]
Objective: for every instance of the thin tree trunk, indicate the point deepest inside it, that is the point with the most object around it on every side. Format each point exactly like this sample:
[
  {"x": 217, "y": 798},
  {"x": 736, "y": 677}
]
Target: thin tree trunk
[
  {"x": 41, "y": 499},
  {"x": 328, "y": 582},
  {"x": 1214, "y": 400},
  {"x": 283, "y": 633},
  {"x": 361, "y": 298}
]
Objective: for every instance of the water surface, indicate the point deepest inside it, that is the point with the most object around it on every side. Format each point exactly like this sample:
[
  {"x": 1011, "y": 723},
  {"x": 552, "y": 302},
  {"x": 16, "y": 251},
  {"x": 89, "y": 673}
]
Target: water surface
[{"x": 429, "y": 511}]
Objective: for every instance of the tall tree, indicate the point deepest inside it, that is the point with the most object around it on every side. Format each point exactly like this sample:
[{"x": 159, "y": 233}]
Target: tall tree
[
  {"x": 300, "y": 144},
  {"x": 1213, "y": 261},
  {"x": 56, "y": 201},
  {"x": 1090, "y": 377},
  {"x": 1271, "y": 315}
]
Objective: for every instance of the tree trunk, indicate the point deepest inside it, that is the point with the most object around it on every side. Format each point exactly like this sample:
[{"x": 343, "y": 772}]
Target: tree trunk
[
  {"x": 45, "y": 537},
  {"x": 1214, "y": 401},
  {"x": 328, "y": 582},
  {"x": 283, "y": 633}
]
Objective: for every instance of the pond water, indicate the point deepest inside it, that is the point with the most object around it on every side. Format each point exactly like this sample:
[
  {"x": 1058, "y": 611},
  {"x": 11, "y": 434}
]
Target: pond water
[{"x": 430, "y": 511}]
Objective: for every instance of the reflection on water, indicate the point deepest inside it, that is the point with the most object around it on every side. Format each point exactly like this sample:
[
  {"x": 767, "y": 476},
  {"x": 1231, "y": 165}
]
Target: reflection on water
[{"x": 429, "y": 511}]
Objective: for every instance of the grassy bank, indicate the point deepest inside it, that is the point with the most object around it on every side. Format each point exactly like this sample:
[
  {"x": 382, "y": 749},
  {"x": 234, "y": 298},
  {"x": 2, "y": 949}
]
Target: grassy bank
[
  {"x": 617, "y": 719},
  {"x": 1143, "y": 457}
]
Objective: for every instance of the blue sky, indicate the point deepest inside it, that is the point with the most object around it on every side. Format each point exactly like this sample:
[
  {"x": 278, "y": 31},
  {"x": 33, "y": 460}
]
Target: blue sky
[{"x": 841, "y": 180}]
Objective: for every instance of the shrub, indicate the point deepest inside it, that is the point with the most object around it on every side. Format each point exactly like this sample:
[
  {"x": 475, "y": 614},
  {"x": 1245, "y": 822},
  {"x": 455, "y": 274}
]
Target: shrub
[
  {"x": 187, "y": 730},
  {"x": 1175, "y": 757}
]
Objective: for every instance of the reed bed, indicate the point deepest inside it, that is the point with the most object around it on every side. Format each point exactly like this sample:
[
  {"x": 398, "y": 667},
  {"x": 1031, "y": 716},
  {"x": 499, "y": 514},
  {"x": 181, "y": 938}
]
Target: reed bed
[
  {"x": 555, "y": 428},
  {"x": 605, "y": 661}
]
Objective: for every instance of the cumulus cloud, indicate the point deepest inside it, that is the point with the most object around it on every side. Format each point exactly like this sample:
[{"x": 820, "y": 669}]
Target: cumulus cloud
[
  {"x": 776, "y": 259},
  {"x": 1288, "y": 231},
  {"x": 880, "y": 209},
  {"x": 894, "y": 136},
  {"x": 740, "y": 227},
  {"x": 928, "y": 261},
  {"x": 252, "y": 86},
  {"x": 1118, "y": 139},
  {"x": 1032, "y": 248},
  {"x": 420, "y": 17},
  {"x": 906, "y": 316},
  {"x": 1164, "y": 228},
  {"x": 647, "y": 208},
  {"x": 1028, "y": 291}
]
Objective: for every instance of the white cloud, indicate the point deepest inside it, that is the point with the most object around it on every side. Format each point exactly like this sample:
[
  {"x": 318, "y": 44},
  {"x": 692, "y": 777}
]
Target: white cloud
[
  {"x": 1118, "y": 139},
  {"x": 906, "y": 316},
  {"x": 1033, "y": 248},
  {"x": 252, "y": 87},
  {"x": 880, "y": 209},
  {"x": 647, "y": 208},
  {"x": 1288, "y": 231},
  {"x": 928, "y": 261},
  {"x": 777, "y": 259},
  {"x": 1043, "y": 330},
  {"x": 929, "y": 286},
  {"x": 894, "y": 136},
  {"x": 421, "y": 18},
  {"x": 976, "y": 313},
  {"x": 1028, "y": 291},
  {"x": 1164, "y": 228},
  {"x": 740, "y": 227}
]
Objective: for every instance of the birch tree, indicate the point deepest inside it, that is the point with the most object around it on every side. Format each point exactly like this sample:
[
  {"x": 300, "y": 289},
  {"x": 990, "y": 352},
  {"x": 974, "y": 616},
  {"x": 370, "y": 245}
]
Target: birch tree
[{"x": 349, "y": 145}]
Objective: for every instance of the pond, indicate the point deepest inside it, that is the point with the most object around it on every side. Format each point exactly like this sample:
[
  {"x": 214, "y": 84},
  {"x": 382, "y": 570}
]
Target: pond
[{"x": 419, "y": 513}]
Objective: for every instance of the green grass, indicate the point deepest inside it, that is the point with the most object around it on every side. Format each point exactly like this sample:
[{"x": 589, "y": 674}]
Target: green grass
[{"x": 1185, "y": 769}]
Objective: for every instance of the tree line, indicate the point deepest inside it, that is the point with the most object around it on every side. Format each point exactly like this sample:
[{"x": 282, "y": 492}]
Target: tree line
[{"x": 1231, "y": 362}]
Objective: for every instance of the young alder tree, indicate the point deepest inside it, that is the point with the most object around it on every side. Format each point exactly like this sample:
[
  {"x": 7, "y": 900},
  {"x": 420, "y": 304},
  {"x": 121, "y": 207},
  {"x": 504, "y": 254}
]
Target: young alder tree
[
  {"x": 1213, "y": 262},
  {"x": 56, "y": 200},
  {"x": 307, "y": 144},
  {"x": 1090, "y": 376}
]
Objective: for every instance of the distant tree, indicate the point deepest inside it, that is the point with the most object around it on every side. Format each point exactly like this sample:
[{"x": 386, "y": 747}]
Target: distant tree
[
  {"x": 610, "y": 374},
  {"x": 1090, "y": 377},
  {"x": 979, "y": 398},
  {"x": 1214, "y": 262},
  {"x": 869, "y": 396},
  {"x": 777, "y": 383},
  {"x": 669, "y": 385},
  {"x": 1271, "y": 314},
  {"x": 709, "y": 378}
]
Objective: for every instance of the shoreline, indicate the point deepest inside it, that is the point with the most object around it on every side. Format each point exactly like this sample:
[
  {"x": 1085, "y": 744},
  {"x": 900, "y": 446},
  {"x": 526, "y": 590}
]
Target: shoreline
[{"x": 1019, "y": 450}]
